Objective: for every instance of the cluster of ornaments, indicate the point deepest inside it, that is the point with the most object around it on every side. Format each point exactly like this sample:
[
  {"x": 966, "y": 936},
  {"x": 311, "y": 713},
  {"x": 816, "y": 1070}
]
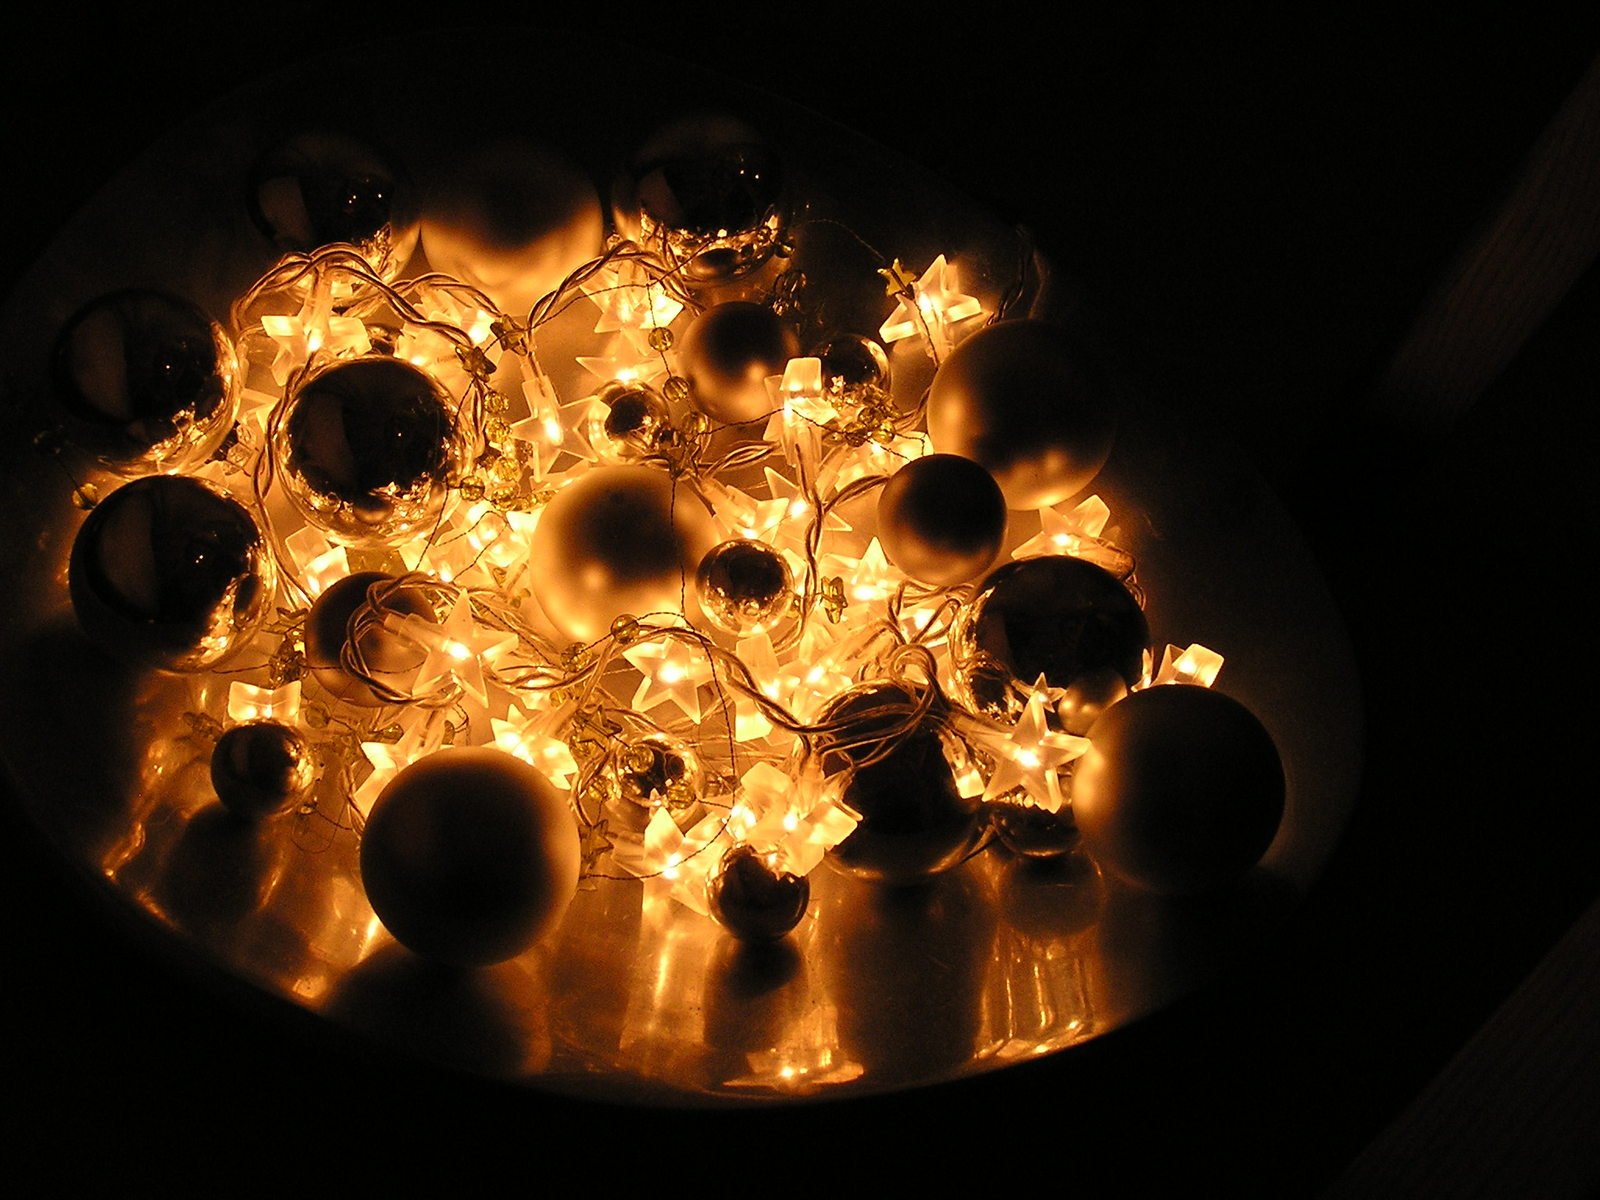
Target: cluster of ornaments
[{"x": 1033, "y": 715}]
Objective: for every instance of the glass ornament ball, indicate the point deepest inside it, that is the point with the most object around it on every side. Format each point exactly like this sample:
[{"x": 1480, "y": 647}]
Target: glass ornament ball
[
  {"x": 354, "y": 645},
  {"x": 1056, "y": 616},
  {"x": 744, "y": 587},
  {"x": 852, "y": 363},
  {"x": 753, "y": 897},
  {"x": 915, "y": 822},
  {"x": 653, "y": 770},
  {"x": 617, "y": 540},
  {"x": 708, "y": 194},
  {"x": 470, "y": 856},
  {"x": 942, "y": 519},
  {"x": 727, "y": 356},
  {"x": 366, "y": 448},
  {"x": 1087, "y": 696},
  {"x": 1181, "y": 791},
  {"x": 632, "y": 425},
  {"x": 321, "y": 188},
  {"x": 512, "y": 218},
  {"x": 145, "y": 380},
  {"x": 1028, "y": 402},
  {"x": 169, "y": 572},
  {"x": 262, "y": 769}
]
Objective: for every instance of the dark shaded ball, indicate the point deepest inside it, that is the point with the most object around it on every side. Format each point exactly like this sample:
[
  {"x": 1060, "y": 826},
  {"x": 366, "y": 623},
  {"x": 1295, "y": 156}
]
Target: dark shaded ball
[
  {"x": 753, "y": 899},
  {"x": 168, "y": 572},
  {"x": 384, "y": 654},
  {"x": 470, "y": 856},
  {"x": 941, "y": 519},
  {"x": 728, "y": 353},
  {"x": 145, "y": 377},
  {"x": 914, "y": 820},
  {"x": 262, "y": 769},
  {"x": 1182, "y": 790}
]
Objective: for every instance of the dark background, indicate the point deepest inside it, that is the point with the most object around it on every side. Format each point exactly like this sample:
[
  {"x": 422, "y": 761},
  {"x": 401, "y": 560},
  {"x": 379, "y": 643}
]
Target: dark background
[{"x": 1256, "y": 209}]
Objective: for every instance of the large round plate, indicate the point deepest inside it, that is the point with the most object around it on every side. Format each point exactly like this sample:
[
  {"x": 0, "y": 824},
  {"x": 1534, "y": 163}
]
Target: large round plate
[{"x": 993, "y": 962}]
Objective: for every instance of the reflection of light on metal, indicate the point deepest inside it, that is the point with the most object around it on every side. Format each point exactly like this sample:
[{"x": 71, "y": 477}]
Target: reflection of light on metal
[{"x": 808, "y": 1060}]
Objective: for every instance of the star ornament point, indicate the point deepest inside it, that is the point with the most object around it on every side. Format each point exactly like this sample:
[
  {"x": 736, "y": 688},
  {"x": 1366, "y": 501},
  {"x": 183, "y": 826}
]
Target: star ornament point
[
  {"x": 1030, "y": 755},
  {"x": 935, "y": 303}
]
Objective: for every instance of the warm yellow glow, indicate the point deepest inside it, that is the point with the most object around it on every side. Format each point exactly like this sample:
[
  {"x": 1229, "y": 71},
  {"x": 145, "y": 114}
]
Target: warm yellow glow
[
  {"x": 246, "y": 702},
  {"x": 939, "y": 304},
  {"x": 1195, "y": 664}
]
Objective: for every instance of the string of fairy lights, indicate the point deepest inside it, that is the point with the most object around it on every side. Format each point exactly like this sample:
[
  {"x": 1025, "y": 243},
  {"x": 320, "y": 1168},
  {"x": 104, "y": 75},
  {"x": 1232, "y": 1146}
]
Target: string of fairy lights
[{"x": 689, "y": 577}]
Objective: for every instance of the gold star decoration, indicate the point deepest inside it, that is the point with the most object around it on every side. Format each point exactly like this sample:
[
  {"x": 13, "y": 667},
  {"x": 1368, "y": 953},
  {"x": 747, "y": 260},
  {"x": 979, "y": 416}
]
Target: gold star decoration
[
  {"x": 928, "y": 307},
  {"x": 1029, "y": 755}
]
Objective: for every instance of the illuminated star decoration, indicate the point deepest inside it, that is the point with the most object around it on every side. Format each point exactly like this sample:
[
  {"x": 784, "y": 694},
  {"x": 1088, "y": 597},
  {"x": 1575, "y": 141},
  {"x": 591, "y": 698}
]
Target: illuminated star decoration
[
  {"x": 801, "y": 411},
  {"x": 673, "y": 669},
  {"x": 801, "y": 818},
  {"x": 1077, "y": 533},
  {"x": 1029, "y": 754},
  {"x": 312, "y": 329},
  {"x": 624, "y": 361},
  {"x": 457, "y": 650},
  {"x": 1195, "y": 664},
  {"x": 388, "y": 759},
  {"x": 927, "y": 307},
  {"x": 630, "y": 302},
  {"x": 246, "y": 702},
  {"x": 673, "y": 863},
  {"x": 532, "y": 738}
]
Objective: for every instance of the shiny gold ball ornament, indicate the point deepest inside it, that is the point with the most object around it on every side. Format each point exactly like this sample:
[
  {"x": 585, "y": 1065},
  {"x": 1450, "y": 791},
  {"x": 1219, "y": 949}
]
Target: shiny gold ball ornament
[
  {"x": 146, "y": 381},
  {"x": 470, "y": 856},
  {"x": 366, "y": 448},
  {"x": 1030, "y": 831},
  {"x": 1028, "y": 401},
  {"x": 942, "y": 519},
  {"x": 262, "y": 769},
  {"x": 635, "y": 422},
  {"x": 655, "y": 770},
  {"x": 617, "y": 540},
  {"x": 745, "y": 587},
  {"x": 322, "y": 187},
  {"x": 1181, "y": 791},
  {"x": 359, "y": 617},
  {"x": 915, "y": 822},
  {"x": 1063, "y": 618},
  {"x": 512, "y": 218},
  {"x": 708, "y": 194},
  {"x": 169, "y": 572},
  {"x": 728, "y": 353},
  {"x": 753, "y": 897}
]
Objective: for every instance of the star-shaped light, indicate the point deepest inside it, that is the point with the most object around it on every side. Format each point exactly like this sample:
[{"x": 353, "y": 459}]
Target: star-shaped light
[
  {"x": 1195, "y": 664},
  {"x": 542, "y": 424},
  {"x": 246, "y": 702},
  {"x": 533, "y": 738},
  {"x": 312, "y": 329},
  {"x": 673, "y": 669},
  {"x": 1068, "y": 532},
  {"x": 1030, "y": 754},
  {"x": 741, "y": 514},
  {"x": 800, "y": 816},
  {"x": 630, "y": 301},
  {"x": 388, "y": 759},
  {"x": 673, "y": 862},
  {"x": 936, "y": 303},
  {"x": 319, "y": 563},
  {"x": 458, "y": 649},
  {"x": 801, "y": 410},
  {"x": 791, "y": 530},
  {"x": 624, "y": 361}
]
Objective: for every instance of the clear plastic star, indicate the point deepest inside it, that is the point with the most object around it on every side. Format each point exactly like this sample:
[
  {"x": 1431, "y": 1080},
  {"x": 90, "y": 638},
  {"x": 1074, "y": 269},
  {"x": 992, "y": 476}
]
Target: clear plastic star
[
  {"x": 1030, "y": 754},
  {"x": 533, "y": 738},
  {"x": 630, "y": 301},
  {"x": 673, "y": 669},
  {"x": 624, "y": 361},
  {"x": 458, "y": 648},
  {"x": 800, "y": 816},
  {"x": 1065, "y": 532},
  {"x": 388, "y": 759},
  {"x": 939, "y": 303},
  {"x": 1195, "y": 664}
]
